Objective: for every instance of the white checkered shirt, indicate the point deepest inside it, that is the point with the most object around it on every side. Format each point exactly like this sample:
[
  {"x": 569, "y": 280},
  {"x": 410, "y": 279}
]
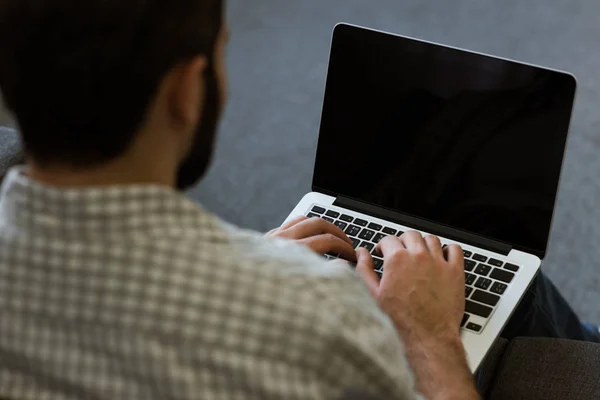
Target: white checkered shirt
[{"x": 134, "y": 292}]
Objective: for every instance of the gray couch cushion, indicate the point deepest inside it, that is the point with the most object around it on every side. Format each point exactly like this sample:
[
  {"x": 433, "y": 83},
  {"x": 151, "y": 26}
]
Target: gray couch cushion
[
  {"x": 548, "y": 369},
  {"x": 10, "y": 150}
]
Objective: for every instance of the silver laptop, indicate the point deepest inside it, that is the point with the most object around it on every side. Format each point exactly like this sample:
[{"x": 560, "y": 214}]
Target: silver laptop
[{"x": 419, "y": 136}]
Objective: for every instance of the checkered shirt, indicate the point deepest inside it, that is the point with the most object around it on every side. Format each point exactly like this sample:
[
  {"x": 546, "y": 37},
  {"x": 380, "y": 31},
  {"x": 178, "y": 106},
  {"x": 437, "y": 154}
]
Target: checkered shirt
[{"x": 135, "y": 292}]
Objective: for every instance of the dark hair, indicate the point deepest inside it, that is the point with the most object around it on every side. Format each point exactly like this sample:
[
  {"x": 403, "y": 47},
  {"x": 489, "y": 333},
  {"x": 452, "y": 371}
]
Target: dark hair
[{"x": 79, "y": 75}]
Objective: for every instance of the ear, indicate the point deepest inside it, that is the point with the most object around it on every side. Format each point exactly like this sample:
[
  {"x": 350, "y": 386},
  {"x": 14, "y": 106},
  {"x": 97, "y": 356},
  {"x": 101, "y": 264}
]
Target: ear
[{"x": 187, "y": 91}]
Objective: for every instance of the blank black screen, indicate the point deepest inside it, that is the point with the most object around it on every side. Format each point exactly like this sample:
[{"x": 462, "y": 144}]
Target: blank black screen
[{"x": 458, "y": 138}]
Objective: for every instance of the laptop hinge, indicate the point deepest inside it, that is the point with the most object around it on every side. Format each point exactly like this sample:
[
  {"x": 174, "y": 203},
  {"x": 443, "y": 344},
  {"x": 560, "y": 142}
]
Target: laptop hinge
[{"x": 424, "y": 225}]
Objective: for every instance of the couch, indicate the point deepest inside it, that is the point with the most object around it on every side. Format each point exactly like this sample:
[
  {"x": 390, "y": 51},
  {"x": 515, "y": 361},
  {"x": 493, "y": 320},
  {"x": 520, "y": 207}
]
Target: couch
[{"x": 526, "y": 368}]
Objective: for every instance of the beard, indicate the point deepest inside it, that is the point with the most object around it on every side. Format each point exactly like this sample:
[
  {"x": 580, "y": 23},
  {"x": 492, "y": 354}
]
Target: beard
[{"x": 198, "y": 159}]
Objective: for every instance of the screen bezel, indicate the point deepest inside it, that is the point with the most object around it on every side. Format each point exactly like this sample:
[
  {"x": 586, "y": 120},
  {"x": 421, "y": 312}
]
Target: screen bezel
[{"x": 541, "y": 253}]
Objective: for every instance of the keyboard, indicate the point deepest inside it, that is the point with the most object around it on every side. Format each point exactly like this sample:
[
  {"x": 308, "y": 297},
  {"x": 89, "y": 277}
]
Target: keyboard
[{"x": 486, "y": 278}]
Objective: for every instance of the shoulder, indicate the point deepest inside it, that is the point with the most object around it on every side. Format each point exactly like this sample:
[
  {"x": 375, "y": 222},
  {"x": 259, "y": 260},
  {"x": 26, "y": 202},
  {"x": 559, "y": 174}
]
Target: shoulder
[
  {"x": 289, "y": 269},
  {"x": 333, "y": 291},
  {"x": 359, "y": 344},
  {"x": 304, "y": 309}
]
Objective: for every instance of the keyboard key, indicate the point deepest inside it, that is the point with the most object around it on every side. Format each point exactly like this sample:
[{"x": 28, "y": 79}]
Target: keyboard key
[
  {"x": 360, "y": 222},
  {"x": 367, "y": 245},
  {"x": 312, "y": 215},
  {"x": 483, "y": 269},
  {"x": 353, "y": 230},
  {"x": 374, "y": 226},
  {"x": 366, "y": 234},
  {"x": 468, "y": 290},
  {"x": 473, "y": 327},
  {"x": 378, "y": 262},
  {"x": 346, "y": 218},
  {"x": 341, "y": 225},
  {"x": 318, "y": 210},
  {"x": 400, "y": 233},
  {"x": 469, "y": 265},
  {"x": 498, "y": 288},
  {"x": 379, "y": 274},
  {"x": 485, "y": 298},
  {"x": 478, "y": 309},
  {"x": 469, "y": 278},
  {"x": 389, "y": 231},
  {"x": 332, "y": 255},
  {"x": 479, "y": 257},
  {"x": 483, "y": 283},
  {"x": 328, "y": 219},
  {"x": 355, "y": 242},
  {"x": 502, "y": 275},
  {"x": 467, "y": 253},
  {"x": 332, "y": 214},
  {"x": 511, "y": 267},
  {"x": 495, "y": 263},
  {"x": 465, "y": 319},
  {"x": 378, "y": 237}
]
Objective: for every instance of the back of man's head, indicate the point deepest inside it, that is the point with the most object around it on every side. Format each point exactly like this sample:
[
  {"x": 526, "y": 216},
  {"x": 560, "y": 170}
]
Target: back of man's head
[{"x": 80, "y": 75}]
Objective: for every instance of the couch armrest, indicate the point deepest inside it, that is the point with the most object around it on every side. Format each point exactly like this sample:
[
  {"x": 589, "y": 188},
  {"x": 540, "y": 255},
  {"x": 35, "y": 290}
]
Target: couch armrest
[
  {"x": 542, "y": 368},
  {"x": 11, "y": 153}
]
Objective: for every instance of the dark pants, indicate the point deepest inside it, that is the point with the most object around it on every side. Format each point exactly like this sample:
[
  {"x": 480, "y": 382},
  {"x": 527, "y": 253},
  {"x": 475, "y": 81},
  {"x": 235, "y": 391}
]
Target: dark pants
[{"x": 543, "y": 312}]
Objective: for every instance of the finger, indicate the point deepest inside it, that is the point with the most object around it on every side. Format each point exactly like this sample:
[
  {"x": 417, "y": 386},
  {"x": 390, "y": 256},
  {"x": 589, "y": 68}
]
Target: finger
[
  {"x": 365, "y": 269},
  {"x": 434, "y": 246},
  {"x": 314, "y": 227},
  {"x": 293, "y": 222},
  {"x": 455, "y": 255},
  {"x": 413, "y": 241},
  {"x": 328, "y": 243},
  {"x": 286, "y": 225},
  {"x": 389, "y": 244}
]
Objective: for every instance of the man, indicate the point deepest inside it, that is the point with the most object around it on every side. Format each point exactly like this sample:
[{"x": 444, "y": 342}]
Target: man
[{"x": 115, "y": 286}]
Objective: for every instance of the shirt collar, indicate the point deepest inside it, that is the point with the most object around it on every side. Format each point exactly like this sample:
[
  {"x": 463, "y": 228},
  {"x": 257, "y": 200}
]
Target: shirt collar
[{"x": 92, "y": 211}]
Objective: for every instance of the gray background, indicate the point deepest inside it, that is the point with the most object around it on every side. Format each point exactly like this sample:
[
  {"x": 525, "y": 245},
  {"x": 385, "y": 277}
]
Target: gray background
[{"x": 277, "y": 63}]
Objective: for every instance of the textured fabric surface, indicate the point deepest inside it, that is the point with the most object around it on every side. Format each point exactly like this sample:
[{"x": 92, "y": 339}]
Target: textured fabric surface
[
  {"x": 134, "y": 292},
  {"x": 548, "y": 369},
  {"x": 277, "y": 63}
]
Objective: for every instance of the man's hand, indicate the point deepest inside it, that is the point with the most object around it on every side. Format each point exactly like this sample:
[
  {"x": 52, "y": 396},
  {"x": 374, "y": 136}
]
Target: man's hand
[
  {"x": 422, "y": 291},
  {"x": 422, "y": 287},
  {"x": 319, "y": 235}
]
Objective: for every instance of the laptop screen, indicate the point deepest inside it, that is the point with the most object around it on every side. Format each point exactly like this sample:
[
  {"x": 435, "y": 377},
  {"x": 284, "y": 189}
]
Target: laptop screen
[{"x": 457, "y": 138}]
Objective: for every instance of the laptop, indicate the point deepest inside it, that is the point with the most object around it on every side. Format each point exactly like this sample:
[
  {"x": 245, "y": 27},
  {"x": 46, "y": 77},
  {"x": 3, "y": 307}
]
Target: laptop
[{"x": 420, "y": 136}]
